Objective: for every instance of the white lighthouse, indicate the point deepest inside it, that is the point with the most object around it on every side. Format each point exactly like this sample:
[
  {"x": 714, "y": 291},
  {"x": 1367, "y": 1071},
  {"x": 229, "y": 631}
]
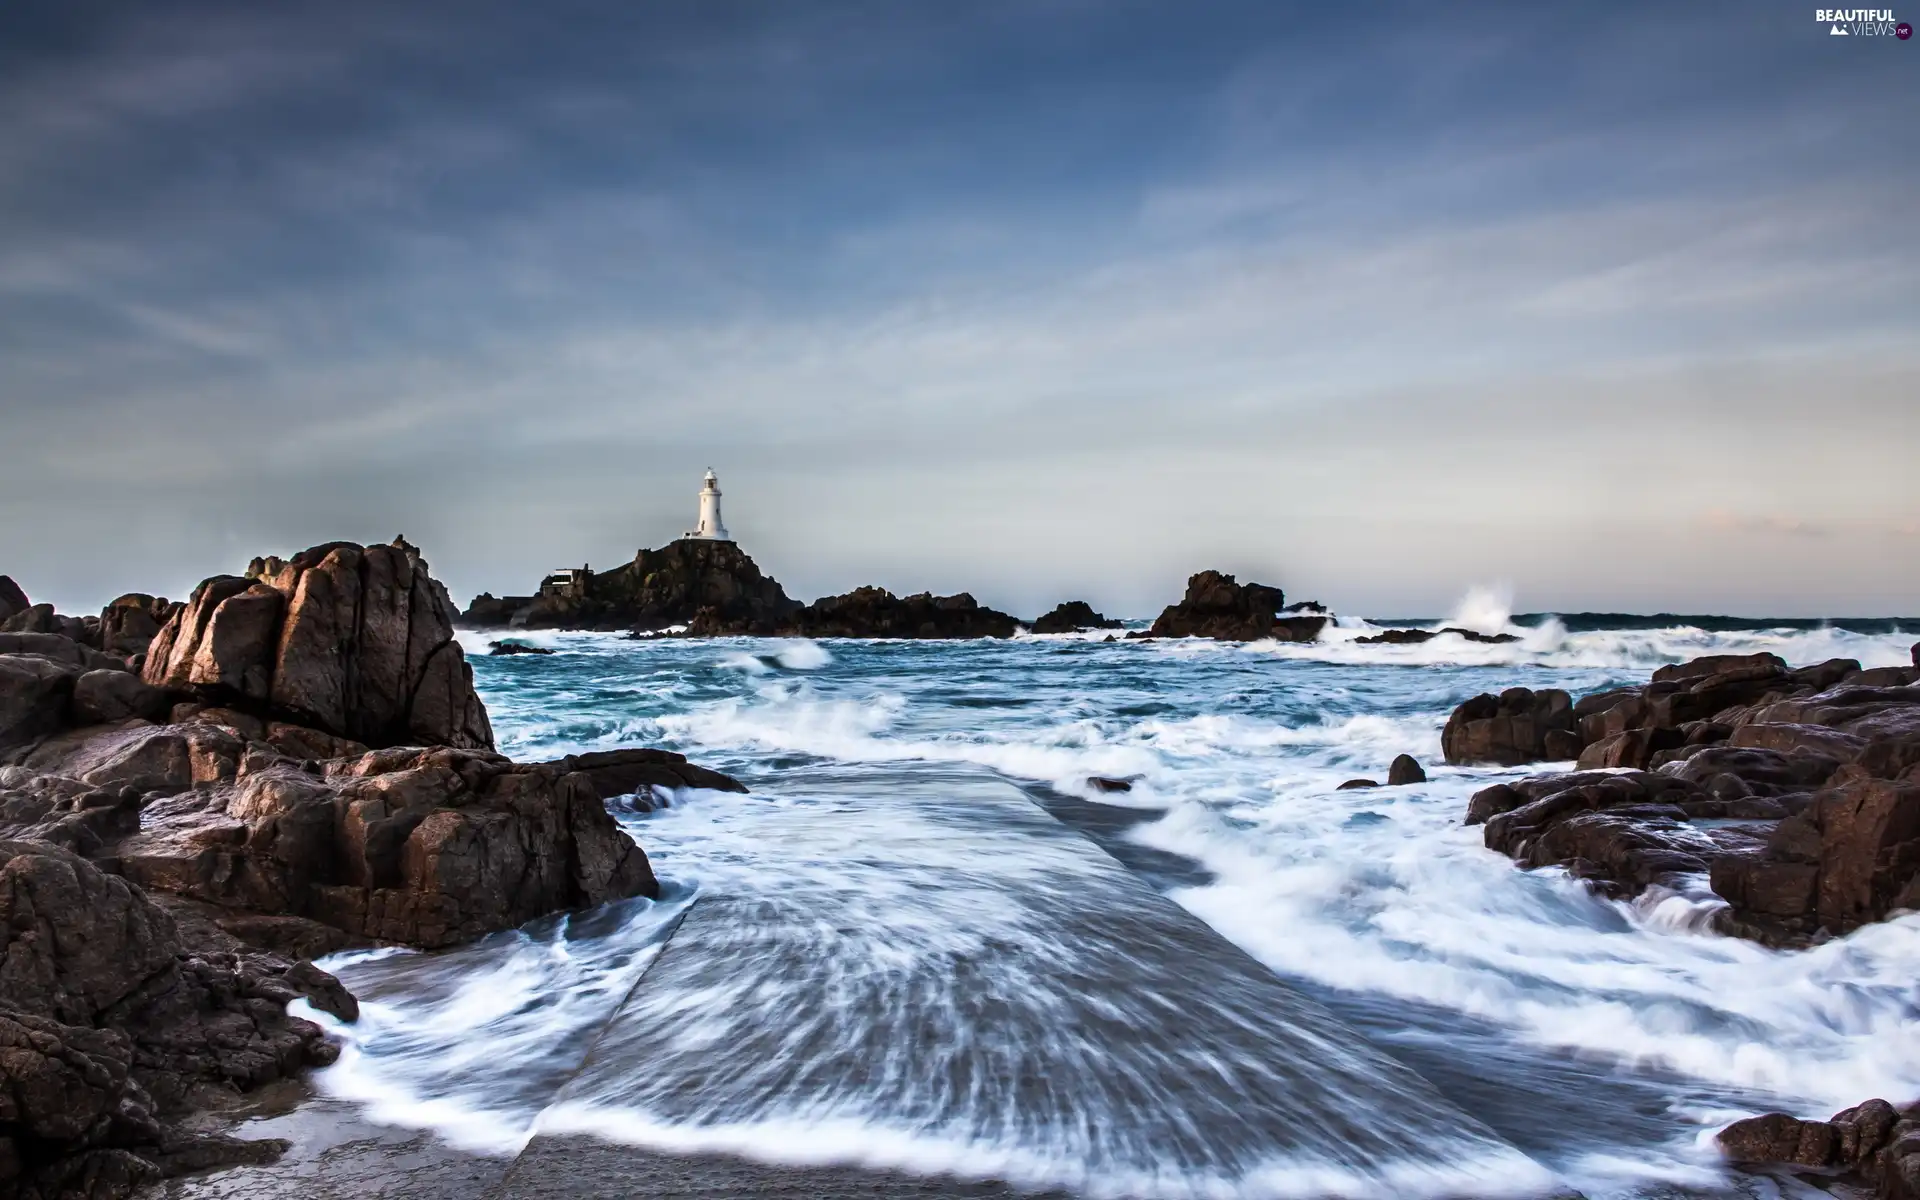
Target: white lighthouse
[{"x": 710, "y": 528}]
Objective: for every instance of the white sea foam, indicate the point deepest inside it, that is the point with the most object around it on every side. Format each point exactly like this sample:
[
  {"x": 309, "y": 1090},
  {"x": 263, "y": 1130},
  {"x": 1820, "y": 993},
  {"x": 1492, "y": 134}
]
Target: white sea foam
[{"x": 1378, "y": 895}]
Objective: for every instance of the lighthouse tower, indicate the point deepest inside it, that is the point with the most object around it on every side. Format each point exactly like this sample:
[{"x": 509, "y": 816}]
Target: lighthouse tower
[{"x": 710, "y": 528}]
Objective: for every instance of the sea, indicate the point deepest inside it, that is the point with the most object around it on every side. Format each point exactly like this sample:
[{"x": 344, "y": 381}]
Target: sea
[{"x": 1585, "y": 1045}]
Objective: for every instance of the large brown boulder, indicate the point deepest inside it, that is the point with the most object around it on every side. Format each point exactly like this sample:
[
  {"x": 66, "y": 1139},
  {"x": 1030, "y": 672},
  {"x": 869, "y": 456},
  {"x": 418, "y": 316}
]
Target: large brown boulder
[
  {"x": 355, "y": 641},
  {"x": 427, "y": 847},
  {"x": 1517, "y": 727},
  {"x": 110, "y": 1023},
  {"x": 1215, "y": 606}
]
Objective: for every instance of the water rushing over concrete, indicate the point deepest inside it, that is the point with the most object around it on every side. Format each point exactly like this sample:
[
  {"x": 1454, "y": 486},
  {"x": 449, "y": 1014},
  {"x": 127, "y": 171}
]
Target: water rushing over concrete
[{"x": 924, "y": 947}]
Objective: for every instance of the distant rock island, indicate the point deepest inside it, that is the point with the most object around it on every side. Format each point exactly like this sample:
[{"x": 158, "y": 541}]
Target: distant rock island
[
  {"x": 704, "y": 585},
  {"x": 1217, "y": 607}
]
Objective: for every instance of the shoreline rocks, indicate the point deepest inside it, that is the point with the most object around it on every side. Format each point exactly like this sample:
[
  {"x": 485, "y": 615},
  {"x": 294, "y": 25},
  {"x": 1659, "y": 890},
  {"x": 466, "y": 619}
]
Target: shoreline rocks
[
  {"x": 177, "y": 843},
  {"x": 1796, "y": 792},
  {"x": 112, "y": 1026}
]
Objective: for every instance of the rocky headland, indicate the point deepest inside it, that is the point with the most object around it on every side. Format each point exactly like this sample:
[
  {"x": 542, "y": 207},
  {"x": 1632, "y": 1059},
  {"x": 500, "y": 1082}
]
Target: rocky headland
[{"x": 197, "y": 799}]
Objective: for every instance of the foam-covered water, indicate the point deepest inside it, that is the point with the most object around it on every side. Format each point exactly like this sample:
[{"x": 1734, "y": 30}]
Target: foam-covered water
[{"x": 1602, "y": 1041}]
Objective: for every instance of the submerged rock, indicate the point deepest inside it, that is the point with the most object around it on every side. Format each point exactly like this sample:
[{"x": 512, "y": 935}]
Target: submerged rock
[{"x": 627, "y": 772}]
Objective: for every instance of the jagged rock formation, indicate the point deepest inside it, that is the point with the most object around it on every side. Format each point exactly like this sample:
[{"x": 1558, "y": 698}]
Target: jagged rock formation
[
  {"x": 1071, "y": 616},
  {"x": 356, "y": 641},
  {"x": 1215, "y": 606},
  {"x": 1872, "y": 1144},
  {"x": 1820, "y": 767},
  {"x": 658, "y": 589}
]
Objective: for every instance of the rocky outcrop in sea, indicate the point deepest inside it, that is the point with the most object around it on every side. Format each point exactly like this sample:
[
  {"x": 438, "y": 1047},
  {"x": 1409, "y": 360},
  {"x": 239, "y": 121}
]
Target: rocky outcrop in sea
[
  {"x": 197, "y": 799},
  {"x": 1216, "y": 606},
  {"x": 1073, "y": 616},
  {"x": 670, "y": 586},
  {"x": 874, "y": 612}
]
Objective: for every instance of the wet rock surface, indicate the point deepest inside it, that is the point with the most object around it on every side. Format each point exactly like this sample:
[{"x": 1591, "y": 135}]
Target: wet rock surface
[
  {"x": 1873, "y": 1144},
  {"x": 1796, "y": 793},
  {"x": 504, "y": 649},
  {"x": 424, "y": 846},
  {"x": 1216, "y": 606}
]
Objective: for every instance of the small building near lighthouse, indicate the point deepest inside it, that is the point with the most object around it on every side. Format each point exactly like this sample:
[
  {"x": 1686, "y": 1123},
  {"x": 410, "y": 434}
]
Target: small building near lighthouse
[{"x": 710, "y": 527}]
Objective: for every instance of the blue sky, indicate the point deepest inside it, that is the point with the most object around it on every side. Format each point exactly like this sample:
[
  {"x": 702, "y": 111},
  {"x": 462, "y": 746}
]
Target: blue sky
[{"x": 1618, "y": 305}]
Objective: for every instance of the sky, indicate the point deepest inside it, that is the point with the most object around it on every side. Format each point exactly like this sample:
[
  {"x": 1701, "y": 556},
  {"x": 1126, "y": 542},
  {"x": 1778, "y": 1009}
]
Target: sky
[{"x": 1616, "y": 306}]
